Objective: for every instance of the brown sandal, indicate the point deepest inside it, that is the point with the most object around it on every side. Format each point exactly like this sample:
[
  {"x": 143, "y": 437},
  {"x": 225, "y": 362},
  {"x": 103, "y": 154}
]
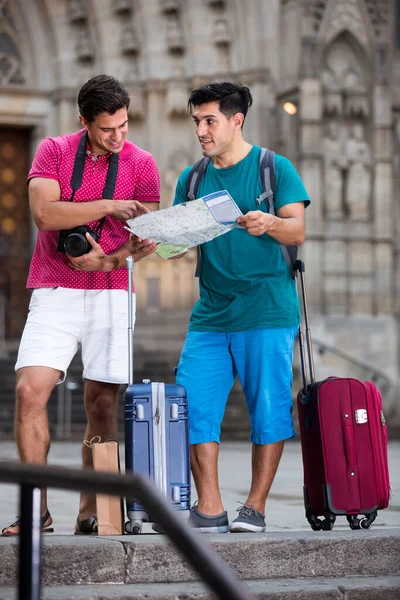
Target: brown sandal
[{"x": 17, "y": 523}]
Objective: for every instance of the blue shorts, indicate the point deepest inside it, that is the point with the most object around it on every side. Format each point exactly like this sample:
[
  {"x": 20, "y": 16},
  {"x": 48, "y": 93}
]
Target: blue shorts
[{"x": 261, "y": 358}]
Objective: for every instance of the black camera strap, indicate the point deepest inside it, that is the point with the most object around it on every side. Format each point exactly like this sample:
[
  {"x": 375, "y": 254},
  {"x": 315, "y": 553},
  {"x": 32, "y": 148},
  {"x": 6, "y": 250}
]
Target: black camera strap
[{"x": 79, "y": 167}]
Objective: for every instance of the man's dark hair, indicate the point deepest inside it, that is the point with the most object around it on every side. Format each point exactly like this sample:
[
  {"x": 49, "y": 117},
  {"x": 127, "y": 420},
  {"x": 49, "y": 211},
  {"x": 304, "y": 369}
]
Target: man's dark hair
[
  {"x": 232, "y": 97},
  {"x": 102, "y": 94}
]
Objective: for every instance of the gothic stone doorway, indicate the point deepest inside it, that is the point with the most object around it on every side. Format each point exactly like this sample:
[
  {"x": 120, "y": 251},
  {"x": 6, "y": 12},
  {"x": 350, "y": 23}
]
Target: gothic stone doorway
[{"x": 15, "y": 231}]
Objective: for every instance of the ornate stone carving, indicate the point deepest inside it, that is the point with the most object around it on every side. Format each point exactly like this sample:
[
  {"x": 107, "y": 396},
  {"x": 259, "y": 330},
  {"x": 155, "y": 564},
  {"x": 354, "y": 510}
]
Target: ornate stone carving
[
  {"x": 347, "y": 172},
  {"x": 345, "y": 16},
  {"x": 356, "y": 105},
  {"x": 170, "y": 7},
  {"x": 177, "y": 98},
  {"x": 342, "y": 69},
  {"x": 313, "y": 11},
  {"x": 220, "y": 34},
  {"x": 333, "y": 103},
  {"x": 309, "y": 58},
  {"x": 358, "y": 179},
  {"x": 84, "y": 47},
  {"x": 216, "y": 3},
  {"x": 12, "y": 69},
  {"x": 129, "y": 42},
  {"x": 379, "y": 14},
  {"x": 334, "y": 166},
  {"x": 122, "y": 7},
  {"x": 77, "y": 11},
  {"x": 175, "y": 37}
]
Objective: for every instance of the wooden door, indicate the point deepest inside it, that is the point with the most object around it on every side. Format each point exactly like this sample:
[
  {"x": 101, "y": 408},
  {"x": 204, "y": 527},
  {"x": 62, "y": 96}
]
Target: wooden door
[{"x": 15, "y": 231}]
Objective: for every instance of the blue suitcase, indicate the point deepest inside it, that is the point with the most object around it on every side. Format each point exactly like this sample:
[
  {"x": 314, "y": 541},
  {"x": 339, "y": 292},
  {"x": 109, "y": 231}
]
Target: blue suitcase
[{"x": 156, "y": 436}]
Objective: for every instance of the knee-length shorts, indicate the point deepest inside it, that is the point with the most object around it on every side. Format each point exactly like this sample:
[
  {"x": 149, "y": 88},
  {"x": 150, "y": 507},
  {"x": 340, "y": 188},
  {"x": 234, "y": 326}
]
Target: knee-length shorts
[{"x": 261, "y": 358}]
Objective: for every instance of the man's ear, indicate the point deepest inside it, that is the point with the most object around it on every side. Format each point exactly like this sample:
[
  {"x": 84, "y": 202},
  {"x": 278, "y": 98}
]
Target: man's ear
[
  {"x": 238, "y": 119},
  {"x": 83, "y": 122}
]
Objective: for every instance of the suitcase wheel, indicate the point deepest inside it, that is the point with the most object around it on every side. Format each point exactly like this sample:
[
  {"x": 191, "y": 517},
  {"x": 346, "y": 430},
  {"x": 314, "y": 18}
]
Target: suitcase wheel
[
  {"x": 354, "y": 522},
  {"x": 328, "y": 522},
  {"x": 133, "y": 527},
  {"x": 319, "y": 524},
  {"x": 364, "y": 523},
  {"x": 316, "y": 524}
]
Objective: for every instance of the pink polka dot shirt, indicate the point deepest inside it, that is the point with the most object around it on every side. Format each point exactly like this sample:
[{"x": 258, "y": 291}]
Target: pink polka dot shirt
[{"x": 138, "y": 179}]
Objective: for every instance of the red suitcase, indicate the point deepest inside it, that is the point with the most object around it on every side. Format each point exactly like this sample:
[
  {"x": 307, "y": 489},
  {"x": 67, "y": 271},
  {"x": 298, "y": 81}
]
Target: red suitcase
[{"x": 344, "y": 443}]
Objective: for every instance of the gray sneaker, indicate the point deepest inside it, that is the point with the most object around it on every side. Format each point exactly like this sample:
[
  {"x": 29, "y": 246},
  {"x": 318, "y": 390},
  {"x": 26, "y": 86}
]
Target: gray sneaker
[
  {"x": 208, "y": 524},
  {"x": 249, "y": 519}
]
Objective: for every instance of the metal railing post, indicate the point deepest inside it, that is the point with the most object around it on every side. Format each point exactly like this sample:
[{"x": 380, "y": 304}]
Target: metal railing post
[{"x": 30, "y": 542}]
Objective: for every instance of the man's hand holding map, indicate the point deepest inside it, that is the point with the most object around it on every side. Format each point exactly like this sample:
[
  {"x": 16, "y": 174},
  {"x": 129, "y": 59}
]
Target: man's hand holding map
[{"x": 189, "y": 224}]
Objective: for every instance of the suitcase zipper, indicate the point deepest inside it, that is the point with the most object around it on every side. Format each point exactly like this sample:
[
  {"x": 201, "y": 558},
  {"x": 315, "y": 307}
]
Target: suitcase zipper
[
  {"x": 162, "y": 424},
  {"x": 378, "y": 431},
  {"x": 159, "y": 441}
]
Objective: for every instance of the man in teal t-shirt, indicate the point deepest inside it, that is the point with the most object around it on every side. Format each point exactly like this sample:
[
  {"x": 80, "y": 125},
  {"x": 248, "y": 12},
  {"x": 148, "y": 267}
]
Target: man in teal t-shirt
[{"x": 247, "y": 317}]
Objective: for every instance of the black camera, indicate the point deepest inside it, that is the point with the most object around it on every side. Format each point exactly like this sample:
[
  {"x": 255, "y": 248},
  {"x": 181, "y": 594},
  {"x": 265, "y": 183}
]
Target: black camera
[{"x": 74, "y": 242}]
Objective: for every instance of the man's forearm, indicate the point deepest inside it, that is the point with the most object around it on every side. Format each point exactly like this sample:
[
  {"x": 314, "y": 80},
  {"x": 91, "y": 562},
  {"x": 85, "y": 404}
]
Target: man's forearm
[
  {"x": 55, "y": 216},
  {"x": 288, "y": 231}
]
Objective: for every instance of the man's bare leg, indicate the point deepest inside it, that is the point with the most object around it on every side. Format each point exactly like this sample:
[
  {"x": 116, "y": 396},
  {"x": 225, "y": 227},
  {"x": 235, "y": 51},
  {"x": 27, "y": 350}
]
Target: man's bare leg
[
  {"x": 101, "y": 403},
  {"x": 33, "y": 389},
  {"x": 204, "y": 463},
  {"x": 265, "y": 461}
]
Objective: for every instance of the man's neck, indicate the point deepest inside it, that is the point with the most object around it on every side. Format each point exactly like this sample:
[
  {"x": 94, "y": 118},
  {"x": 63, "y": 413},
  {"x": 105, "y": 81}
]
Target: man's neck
[{"x": 232, "y": 156}]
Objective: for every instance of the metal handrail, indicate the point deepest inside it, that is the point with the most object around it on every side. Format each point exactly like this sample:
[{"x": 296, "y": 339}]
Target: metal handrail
[
  {"x": 32, "y": 478},
  {"x": 376, "y": 374}
]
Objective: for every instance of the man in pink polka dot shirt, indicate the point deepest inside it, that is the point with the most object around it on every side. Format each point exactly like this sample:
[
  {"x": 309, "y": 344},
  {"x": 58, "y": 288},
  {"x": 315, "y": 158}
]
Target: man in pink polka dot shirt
[{"x": 81, "y": 301}]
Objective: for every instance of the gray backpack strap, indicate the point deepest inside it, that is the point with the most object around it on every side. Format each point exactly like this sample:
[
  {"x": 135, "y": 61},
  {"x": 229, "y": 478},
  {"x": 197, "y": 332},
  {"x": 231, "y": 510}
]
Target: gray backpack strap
[
  {"x": 195, "y": 176},
  {"x": 267, "y": 175},
  {"x": 192, "y": 185},
  {"x": 268, "y": 180}
]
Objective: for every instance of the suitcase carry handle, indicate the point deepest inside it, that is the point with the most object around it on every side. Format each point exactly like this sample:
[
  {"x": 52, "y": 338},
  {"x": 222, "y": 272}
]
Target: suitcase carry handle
[
  {"x": 129, "y": 265},
  {"x": 299, "y": 267}
]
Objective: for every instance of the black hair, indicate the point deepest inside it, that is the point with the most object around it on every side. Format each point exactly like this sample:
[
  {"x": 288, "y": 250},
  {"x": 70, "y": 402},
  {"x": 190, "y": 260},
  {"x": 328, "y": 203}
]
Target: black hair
[
  {"x": 232, "y": 97},
  {"x": 102, "y": 94}
]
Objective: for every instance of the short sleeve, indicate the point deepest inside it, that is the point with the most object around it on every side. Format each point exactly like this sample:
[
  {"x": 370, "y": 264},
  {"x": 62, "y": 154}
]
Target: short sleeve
[
  {"x": 289, "y": 187},
  {"x": 147, "y": 188},
  {"x": 46, "y": 161},
  {"x": 180, "y": 191}
]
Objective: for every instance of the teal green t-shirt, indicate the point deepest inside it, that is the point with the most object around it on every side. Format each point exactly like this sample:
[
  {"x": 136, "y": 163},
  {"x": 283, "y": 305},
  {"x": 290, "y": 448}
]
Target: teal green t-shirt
[{"x": 244, "y": 280}]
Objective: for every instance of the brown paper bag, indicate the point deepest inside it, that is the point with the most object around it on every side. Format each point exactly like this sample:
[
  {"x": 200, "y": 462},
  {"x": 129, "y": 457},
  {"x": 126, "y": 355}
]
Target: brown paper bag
[{"x": 110, "y": 510}]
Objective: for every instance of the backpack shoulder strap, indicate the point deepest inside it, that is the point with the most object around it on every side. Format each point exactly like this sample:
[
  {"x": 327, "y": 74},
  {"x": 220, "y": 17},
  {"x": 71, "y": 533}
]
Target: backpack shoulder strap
[
  {"x": 192, "y": 185},
  {"x": 268, "y": 180},
  {"x": 267, "y": 176},
  {"x": 195, "y": 176}
]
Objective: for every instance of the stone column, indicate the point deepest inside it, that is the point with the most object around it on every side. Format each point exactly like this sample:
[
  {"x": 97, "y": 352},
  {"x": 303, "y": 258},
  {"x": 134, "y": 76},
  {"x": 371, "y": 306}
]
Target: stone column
[
  {"x": 310, "y": 166},
  {"x": 383, "y": 204}
]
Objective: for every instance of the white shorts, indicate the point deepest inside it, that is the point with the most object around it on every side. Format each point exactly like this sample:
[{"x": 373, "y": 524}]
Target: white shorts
[{"x": 60, "y": 320}]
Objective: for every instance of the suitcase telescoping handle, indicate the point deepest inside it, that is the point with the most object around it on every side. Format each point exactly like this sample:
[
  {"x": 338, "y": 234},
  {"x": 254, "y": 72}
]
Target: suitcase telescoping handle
[
  {"x": 299, "y": 267},
  {"x": 129, "y": 264}
]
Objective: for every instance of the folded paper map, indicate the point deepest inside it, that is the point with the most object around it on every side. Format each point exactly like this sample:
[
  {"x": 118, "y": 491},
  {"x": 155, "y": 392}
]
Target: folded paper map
[{"x": 189, "y": 224}]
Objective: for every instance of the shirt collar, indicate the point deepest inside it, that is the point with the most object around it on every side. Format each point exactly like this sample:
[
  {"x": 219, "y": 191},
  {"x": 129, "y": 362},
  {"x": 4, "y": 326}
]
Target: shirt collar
[{"x": 75, "y": 138}]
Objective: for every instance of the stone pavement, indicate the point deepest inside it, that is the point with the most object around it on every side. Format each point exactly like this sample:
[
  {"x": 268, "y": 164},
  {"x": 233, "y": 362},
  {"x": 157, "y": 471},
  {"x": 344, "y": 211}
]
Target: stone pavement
[{"x": 285, "y": 509}]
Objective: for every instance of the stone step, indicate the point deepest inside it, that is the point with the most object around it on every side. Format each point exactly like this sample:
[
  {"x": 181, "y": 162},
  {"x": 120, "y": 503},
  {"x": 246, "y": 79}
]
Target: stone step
[
  {"x": 150, "y": 558},
  {"x": 351, "y": 588}
]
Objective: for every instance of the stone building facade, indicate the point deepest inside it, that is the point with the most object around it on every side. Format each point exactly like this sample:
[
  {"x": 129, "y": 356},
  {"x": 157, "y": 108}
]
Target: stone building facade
[{"x": 336, "y": 61}]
